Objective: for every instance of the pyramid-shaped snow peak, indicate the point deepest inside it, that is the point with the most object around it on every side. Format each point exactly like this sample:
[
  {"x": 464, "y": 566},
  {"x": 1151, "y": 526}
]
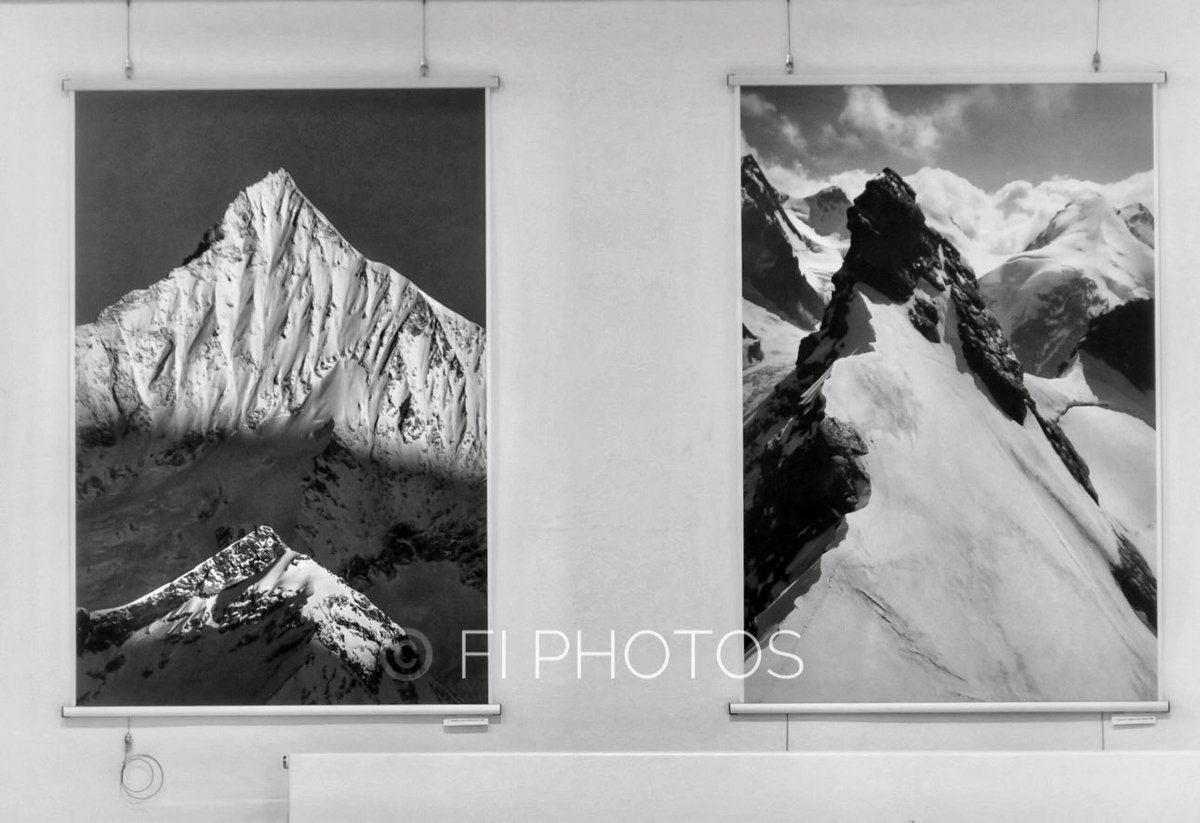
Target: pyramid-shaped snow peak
[
  {"x": 277, "y": 321},
  {"x": 277, "y": 376}
]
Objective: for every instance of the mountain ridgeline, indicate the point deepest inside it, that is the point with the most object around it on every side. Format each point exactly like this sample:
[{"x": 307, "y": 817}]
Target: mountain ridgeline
[
  {"x": 769, "y": 268},
  {"x": 257, "y": 623},
  {"x": 278, "y": 378},
  {"x": 911, "y": 512}
]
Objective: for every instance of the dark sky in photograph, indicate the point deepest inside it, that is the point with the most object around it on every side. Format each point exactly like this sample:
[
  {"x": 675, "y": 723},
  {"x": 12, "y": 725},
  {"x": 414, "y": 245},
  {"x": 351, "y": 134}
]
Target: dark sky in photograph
[
  {"x": 400, "y": 173},
  {"x": 989, "y": 134}
]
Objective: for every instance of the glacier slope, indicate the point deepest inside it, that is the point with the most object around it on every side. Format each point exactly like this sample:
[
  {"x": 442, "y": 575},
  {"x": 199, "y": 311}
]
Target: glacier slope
[
  {"x": 1086, "y": 262},
  {"x": 977, "y": 565}
]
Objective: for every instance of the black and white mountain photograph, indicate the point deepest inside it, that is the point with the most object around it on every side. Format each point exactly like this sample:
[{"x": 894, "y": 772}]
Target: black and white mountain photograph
[
  {"x": 280, "y": 396},
  {"x": 950, "y": 458}
]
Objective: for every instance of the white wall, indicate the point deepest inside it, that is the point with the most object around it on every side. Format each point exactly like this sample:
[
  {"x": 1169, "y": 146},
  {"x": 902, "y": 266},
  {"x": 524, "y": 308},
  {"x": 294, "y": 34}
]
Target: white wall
[{"x": 617, "y": 435}]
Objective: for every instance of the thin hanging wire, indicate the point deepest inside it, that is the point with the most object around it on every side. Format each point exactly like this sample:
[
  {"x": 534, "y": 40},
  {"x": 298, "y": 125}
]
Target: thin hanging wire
[
  {"x": 424, "y": 58},
  {"x": 128, "y": 40},
  {"x": 789, "y": 64},
  {"x": 141, "y": 774},
  {"x": 1096, "y": 53}
]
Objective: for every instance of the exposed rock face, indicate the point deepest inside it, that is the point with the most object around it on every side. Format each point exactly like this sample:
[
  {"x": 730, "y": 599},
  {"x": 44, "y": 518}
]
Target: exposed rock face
[
  {"x": 771, "y": 276},
  {"x": 925, "y": 317},
  {"x": 751, "y": 347},
  {"x": 894, "y": 252},
  {"x": 1124, "y": 339},
  {"x": 802, "y": 478},
  {"x": 1045, "y": 340},
  {"x": 988, "y": 354},
  {"x": 890, "y": 249},
  {"x": 1137, "y": 582}
]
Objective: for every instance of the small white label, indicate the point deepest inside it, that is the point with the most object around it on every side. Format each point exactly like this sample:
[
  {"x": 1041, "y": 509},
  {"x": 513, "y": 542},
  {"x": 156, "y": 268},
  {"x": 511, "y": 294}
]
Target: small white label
[
  {"x": 464, "y": 721},
  {"x": 1134, "y": 720}
]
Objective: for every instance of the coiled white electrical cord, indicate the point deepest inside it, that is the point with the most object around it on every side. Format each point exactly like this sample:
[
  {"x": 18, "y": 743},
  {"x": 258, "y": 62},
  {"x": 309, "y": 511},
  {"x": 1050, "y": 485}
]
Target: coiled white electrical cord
[{"x": 141, "y": 774}]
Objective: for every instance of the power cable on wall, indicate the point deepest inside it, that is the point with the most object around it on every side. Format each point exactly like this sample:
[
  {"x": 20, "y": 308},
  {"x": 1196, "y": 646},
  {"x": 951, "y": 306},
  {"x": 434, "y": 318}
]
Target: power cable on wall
[
  {"x": 1096, "y": 53},
  {"x": 141, "y": 774}
]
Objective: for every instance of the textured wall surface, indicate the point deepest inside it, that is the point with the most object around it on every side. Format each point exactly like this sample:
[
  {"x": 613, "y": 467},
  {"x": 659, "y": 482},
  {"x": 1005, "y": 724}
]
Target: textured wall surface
[{"x": 615, "y": 349}]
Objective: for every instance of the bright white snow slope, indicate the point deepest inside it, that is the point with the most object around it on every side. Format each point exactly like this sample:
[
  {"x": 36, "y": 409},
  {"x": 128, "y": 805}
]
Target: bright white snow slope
[{"x": 977, "y": 566}]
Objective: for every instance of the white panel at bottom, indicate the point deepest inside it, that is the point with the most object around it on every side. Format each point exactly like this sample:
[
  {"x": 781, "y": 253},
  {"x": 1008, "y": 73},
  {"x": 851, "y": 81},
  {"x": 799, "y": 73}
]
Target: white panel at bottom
[{"x": 1097, "y": 787}]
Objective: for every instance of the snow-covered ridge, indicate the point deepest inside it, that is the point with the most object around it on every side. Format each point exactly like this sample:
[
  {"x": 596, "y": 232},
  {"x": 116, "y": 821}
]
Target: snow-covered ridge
[
  {"x": 256, "y": 623},
  {"x": 919, "y": 525},
  {"x": 278, "y": 323},
  {"x": 246, "y": 557}
]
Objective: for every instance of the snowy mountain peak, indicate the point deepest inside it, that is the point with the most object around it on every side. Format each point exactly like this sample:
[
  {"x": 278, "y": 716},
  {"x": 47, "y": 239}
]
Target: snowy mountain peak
[
  {"x": 830, "y": 196},
  {"x": 889, "y": 482},
  {"x": 1086, "y": 261},
  {"x": 771, "y": 274},
  {"x": 894, "y": 252},
  {"x": 888, "y": 236},
  {"x": 1086, "y": 218},
  {"x": 276, "y": 320},
  {"x": 276, "y": 376},
  {"x": 756, "y": 186},
  {"x": 246, "y": 557},
  {"x": 257, "y": 622},
  {"x": 261, "y": 205},
  {"x": 273, "y": 186},
  {"x": 825, "y": 211},
  {"x": 279, "y": 180}
]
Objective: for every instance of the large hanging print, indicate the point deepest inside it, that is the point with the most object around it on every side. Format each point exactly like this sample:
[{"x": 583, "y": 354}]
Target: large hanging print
[
  {"x": 280, "y": 396},
  {"x": 949, "y": 416}
]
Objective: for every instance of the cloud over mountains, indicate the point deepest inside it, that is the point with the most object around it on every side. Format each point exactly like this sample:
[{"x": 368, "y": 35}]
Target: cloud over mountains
[
  {"x": 1000, "y": 222},
  {"x": 960, "y": 146}
]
